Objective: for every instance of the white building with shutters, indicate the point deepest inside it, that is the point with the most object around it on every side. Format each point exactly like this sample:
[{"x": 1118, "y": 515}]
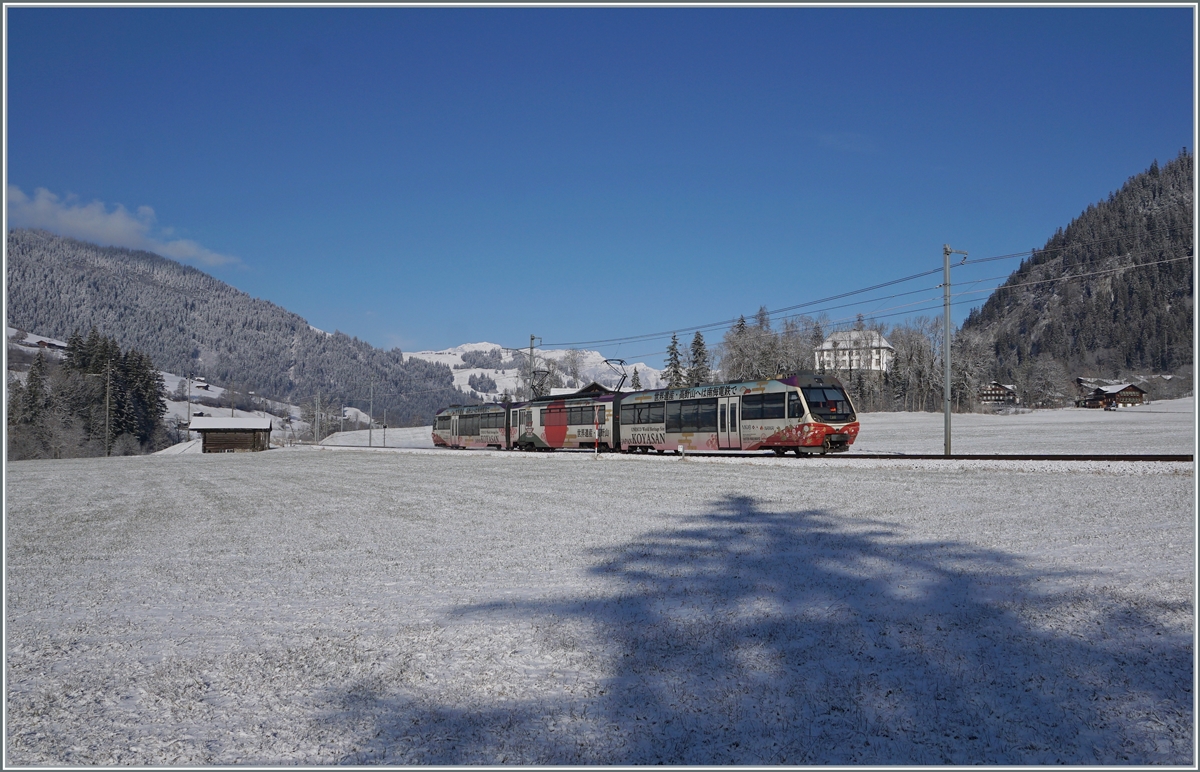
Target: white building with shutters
[{"x": 855, "y": 350}]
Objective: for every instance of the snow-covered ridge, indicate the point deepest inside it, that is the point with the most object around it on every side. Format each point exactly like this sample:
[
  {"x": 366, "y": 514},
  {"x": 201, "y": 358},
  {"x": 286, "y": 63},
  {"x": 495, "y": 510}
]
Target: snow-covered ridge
[{"x": 591, "y": 368}]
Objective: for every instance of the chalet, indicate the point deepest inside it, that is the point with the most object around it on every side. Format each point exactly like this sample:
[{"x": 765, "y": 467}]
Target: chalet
[
  {"x": 854, "y": 350},
  {"x": 231, "y": 435},
  {"x": 996, "y": 393},
  {"x": 1113, "y": 396}
]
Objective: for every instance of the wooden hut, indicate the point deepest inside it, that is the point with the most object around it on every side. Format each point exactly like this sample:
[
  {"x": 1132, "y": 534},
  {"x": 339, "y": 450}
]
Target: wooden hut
[{"x": 230, "y": 435}]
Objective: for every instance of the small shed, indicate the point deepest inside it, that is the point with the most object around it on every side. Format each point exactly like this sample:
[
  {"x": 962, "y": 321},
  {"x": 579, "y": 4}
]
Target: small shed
[{"x": 230, "y": 435}]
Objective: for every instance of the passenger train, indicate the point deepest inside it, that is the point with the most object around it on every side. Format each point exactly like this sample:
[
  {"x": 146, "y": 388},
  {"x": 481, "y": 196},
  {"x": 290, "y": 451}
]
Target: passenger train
[{"x": 802, "y": 412}]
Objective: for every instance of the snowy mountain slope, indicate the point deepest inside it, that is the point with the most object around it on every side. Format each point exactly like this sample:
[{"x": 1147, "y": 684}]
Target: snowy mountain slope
[{"x": 592, "y": 368}]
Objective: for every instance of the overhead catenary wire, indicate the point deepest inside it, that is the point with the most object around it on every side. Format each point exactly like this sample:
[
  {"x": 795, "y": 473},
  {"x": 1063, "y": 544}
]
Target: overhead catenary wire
[
  {"x": 808, "y": 304},
  {"x": 892, "y": 310}
]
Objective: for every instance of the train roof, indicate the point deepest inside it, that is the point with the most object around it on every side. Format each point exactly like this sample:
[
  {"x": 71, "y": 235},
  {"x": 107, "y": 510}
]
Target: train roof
[{"x": 593, "y": 389}]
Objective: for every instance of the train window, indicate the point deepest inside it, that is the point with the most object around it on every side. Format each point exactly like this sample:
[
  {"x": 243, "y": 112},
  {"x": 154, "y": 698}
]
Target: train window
[
  {"x": 696, "y": 415},
  {"x": 721, "y": 419},
  {"x": 795, "y": 408},
  {"x": 752, "y": 407},
  {"x": 601, "y": 413},
  {"x": 733, "y": 410},
  {"x": 645, "y": 413},
  {"x": 828, "y": 403},
  {"x": 673, "y": 416},
  {"x": 773, "y": 405},
  {"x": 468, "y": 425},
  {"x": 554, "y": 416},
  {"x": 689, "y": 415}
]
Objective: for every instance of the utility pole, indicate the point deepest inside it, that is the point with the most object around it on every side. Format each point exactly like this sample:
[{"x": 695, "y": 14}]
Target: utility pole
[
  {"x": 532, "y": 338},
  {"x": 946, "y": 252},
  {"x": 317, "y": 420},
  {"x": 107, "y": 410},
  {"x": 371, "y": 419},
  {"x": 187, "y": 408}
]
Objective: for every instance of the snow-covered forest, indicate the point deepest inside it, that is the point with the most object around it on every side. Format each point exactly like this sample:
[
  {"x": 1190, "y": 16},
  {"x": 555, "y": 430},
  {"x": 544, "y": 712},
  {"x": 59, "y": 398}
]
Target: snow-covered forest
[
  {"x": 1128, "y": 306},
  {"x": 187, "y": 322}
]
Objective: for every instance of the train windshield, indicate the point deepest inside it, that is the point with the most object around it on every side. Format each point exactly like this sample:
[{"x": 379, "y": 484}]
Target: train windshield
[{"x": 829, "y": 404}]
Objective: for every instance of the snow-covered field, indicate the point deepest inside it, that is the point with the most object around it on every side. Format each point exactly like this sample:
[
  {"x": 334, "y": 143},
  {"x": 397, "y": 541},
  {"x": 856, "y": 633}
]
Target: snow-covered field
[
  {"x": 1165, "y": 427},
  {"x": 414, "y": 606}
]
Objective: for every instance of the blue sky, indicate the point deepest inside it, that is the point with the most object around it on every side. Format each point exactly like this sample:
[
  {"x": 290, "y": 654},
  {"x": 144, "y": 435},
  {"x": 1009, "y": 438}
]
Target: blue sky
[{"x": 424, "y": 177}]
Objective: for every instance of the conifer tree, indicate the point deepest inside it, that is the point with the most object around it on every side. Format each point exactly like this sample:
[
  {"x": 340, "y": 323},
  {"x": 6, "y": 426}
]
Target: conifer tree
[
  {"x": 699, "y": 371},
  {"x": 636, "y": 382},
  {"x": 673, "y": 374}
]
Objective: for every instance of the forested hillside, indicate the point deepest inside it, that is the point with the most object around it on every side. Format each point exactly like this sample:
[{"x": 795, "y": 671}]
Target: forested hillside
[
  {"x": 189, "y": 322},
  {"x": 57, "y": 412},
  {"x": 1109, "y": 295}
]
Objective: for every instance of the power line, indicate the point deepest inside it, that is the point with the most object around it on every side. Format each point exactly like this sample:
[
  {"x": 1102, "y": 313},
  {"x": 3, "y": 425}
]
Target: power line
[
  {"x": 908, "y": 307},
  {"x": 839, "y": 296}
]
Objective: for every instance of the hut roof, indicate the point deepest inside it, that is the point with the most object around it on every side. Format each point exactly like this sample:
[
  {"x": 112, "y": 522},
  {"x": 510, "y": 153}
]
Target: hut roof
[{"x": 243, "y": 423}]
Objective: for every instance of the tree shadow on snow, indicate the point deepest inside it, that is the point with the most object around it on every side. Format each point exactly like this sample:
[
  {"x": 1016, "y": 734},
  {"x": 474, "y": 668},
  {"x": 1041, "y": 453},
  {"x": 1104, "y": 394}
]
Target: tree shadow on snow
[{"x": 752, "y": 637}]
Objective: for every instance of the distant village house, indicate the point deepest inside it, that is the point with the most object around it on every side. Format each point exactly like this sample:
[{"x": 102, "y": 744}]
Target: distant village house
[
  {"x": 1113, "y": 396},
  {"x": 996, "y": 393}
]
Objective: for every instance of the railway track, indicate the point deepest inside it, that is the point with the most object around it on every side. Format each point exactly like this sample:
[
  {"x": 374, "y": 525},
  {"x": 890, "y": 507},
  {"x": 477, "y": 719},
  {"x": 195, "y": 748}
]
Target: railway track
[
  {"x": 1174, "y": 457},
  {"x": 1119, "y": 458}
]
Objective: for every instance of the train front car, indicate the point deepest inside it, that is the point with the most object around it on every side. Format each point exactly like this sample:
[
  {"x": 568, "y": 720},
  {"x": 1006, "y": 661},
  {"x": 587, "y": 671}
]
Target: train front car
[
  {"x": 817, "y": 417},
  {"x": 802, "y": 412},
  {"x": 474, "y": 426}
]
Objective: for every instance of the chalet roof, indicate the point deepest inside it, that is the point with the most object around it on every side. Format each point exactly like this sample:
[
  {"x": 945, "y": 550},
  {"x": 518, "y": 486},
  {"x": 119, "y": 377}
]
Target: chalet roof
[
  {"x": 855, "y": 339},
  {"x": 1118, "y": 388},
  {"x": 243, "y": 423}
]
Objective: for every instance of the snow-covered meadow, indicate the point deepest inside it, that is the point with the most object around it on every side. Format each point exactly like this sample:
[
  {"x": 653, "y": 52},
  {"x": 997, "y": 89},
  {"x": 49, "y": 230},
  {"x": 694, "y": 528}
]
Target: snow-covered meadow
[{"x": 413, "y": 606}]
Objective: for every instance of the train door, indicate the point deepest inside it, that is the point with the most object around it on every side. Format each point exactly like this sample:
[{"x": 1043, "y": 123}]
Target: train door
[
  {"x": 517, "y": 428},
  {"x": 729, "y": 436}
]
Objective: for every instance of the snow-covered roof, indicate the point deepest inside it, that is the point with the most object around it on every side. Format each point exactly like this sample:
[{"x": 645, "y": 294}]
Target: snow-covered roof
[
  {"x": 244, "y": 423},
  {"x": 855, "y": 339},
  {"x": 1118, "y": 388}
]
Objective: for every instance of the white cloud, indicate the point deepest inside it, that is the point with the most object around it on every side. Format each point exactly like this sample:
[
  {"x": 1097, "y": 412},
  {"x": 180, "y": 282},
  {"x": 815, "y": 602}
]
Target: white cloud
[{"x": 94, "y": 222}]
